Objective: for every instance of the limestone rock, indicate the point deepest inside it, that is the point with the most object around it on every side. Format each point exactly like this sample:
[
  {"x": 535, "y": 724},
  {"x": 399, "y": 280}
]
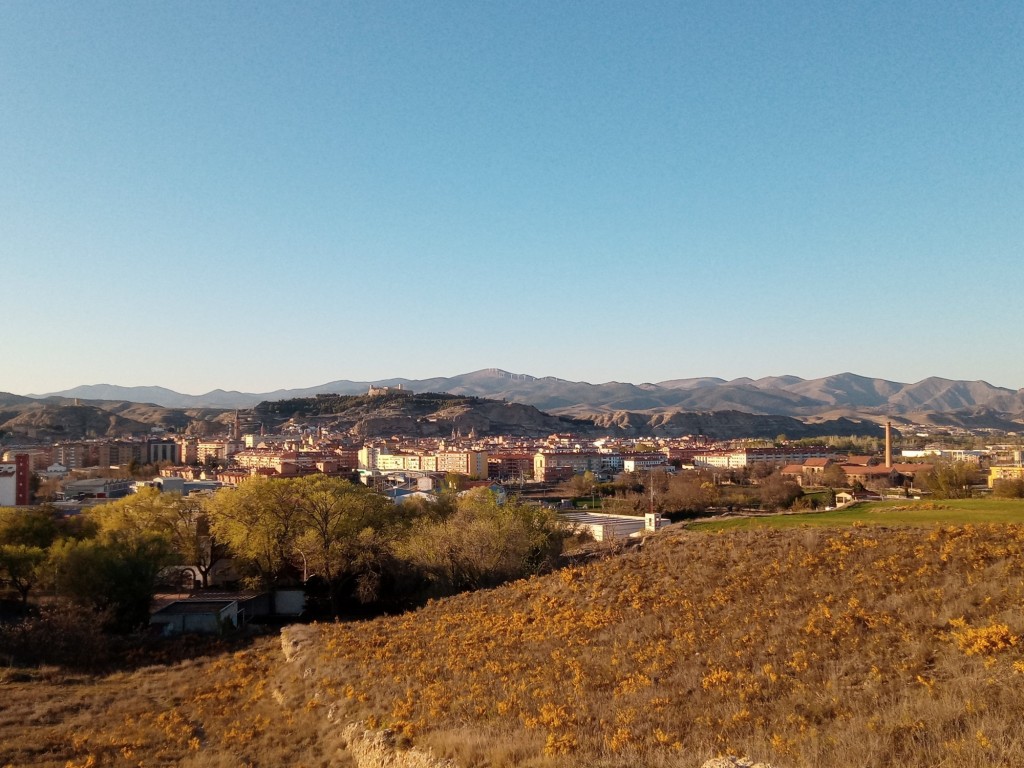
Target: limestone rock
[
  {"x": 734, "y": 762},
  {"x": 377, "y": 749}
]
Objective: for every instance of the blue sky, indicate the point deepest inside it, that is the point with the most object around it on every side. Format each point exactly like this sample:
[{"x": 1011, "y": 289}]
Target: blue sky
[{"x": 261, "y": 195}]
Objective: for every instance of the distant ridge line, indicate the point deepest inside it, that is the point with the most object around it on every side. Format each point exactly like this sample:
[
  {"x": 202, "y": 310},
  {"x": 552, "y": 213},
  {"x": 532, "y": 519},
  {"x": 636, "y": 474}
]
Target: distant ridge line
[{"x": 840, "y": 394}]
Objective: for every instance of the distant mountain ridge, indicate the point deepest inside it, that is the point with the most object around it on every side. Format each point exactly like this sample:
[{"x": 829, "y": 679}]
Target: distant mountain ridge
[
  {"x": 418, "y": 415},
  {"x": 831, "y": 396}
]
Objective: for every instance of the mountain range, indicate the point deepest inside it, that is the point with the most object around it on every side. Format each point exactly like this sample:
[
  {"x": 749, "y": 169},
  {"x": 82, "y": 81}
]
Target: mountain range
[{"x": 844, "y": 394}]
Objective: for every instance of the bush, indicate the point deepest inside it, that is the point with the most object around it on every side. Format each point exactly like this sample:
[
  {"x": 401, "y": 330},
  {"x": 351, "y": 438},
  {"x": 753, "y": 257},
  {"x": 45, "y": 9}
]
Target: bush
[
  {"x": 114, "y": 579},
  {"x": 1009, "y": 489},
  {"x": 63, "y": 633}
]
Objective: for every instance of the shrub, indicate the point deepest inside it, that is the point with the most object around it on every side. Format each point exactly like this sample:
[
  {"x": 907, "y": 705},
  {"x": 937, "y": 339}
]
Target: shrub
[{"x": 62, "y": 633}]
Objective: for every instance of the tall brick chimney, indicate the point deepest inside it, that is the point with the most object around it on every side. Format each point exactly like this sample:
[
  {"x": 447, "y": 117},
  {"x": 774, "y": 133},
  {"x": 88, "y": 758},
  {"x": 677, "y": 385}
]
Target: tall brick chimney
[{"x": 888, "y": 445}]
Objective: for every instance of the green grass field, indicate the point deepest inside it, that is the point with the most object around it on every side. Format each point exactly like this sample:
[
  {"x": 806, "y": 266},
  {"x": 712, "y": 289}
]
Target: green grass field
[{"x": 895, "y": 512}]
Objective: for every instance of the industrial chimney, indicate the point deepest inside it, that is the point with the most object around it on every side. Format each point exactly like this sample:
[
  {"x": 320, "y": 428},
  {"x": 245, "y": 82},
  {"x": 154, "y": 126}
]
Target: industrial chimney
[{"x": 888, "y": 445}]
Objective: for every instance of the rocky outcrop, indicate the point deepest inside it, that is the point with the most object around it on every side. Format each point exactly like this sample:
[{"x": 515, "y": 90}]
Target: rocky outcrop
[
  {"x": 297, "y": 639},
  {"x": 733, "y": 762},
  {"x": 379, "y": 749}
]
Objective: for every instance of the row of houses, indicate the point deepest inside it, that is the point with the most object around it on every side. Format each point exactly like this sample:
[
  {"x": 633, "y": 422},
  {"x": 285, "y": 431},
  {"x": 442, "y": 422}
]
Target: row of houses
[
  {"x": 860, "y": 471},
  {"x": 742, "y": 458}
]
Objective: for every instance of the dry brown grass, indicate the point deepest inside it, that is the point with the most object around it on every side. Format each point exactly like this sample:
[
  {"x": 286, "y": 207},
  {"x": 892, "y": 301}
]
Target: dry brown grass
[
  {"x": 239, "y": 709},
  {"x": 862, "y": 647},
  {"x": 804, "y": 647}
]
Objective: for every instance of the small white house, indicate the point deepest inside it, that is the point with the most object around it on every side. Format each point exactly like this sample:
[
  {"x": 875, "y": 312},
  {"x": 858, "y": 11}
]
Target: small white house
[{"x": 605, "y": 527}]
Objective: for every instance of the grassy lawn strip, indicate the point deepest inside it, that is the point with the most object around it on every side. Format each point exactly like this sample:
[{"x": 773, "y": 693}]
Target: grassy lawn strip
[{"x": 894, "y": 512}]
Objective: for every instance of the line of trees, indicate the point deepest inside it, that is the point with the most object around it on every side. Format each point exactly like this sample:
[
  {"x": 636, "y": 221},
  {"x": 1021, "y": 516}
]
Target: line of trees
[
  {"x": 686, "y": 494},
  {"x": 354, "y": 548}
]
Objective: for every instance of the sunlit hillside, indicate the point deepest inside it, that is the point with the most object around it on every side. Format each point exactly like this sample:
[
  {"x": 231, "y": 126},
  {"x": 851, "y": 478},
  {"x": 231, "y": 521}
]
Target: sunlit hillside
[
  {"x": 857, "y": 647},
  {"x": 861, "y": 646}
]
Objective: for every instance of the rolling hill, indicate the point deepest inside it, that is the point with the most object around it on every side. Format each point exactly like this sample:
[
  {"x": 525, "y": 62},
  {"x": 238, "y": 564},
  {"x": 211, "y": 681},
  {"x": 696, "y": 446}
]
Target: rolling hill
[
  {"x": 873, "y": 645},
  {"x": 842, "y": 394}
]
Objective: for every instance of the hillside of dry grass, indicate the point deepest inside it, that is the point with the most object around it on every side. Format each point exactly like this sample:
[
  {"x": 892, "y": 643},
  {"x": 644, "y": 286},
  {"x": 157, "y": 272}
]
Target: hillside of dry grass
[
  {"x": 242, "y": 708},
  {"x": 862, "y": 646},
  {"x": 856, "y": 647}
]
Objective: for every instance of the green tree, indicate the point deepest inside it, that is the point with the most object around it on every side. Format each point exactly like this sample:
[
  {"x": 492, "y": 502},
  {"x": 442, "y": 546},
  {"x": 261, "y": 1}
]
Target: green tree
[
  {"x": 257, "y": 522},
  {"x": 951, "y": 479},
  {"x": 484, "y": 543},
  {"x": 431, "y": 509},
  {"x": 337, "y": 534},
  {"x": 20, "y": 567},
  {"x": 32, "y": 527},
  {"x": 331, "y": 514},
  {"x": 115, "y": 576},
  {"x": 148, "y": 512},
  {"x": 194, "y": 542},
  {"x": 181, "y": 521}
]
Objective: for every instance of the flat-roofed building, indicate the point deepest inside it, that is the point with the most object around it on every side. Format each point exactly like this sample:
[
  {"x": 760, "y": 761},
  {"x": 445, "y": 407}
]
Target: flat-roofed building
[
  {"x": 552, "y": 466},
  {"x": 211, "y": 617},
  {"x": 15, "y": 482},
  {"x": 97, "y": 488},
  {"x": 117, "y": 453},
  {"x": 76, "y": 455},
  {"x": 1004, "y": 472},
  {"x": 605, "y": 527},
  {"x": 163, "y": 452},
  {"x": 471, "y": 463},
  {"x": 187, "y": 450},
  {"x": 747, "y": 457},
  {"x": 517, "y": 466},
  {"x": 643, "y": 462},
  {"x": 216, "y": 450}
]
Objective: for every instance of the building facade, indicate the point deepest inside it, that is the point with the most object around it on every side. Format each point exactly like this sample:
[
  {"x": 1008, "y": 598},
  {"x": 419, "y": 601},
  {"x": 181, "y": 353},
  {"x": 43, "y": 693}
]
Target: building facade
[{"x": 15, "y": 482}]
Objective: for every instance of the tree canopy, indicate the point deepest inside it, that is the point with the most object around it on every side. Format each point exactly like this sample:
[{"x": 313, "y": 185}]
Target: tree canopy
[
  {"x": 951, "y": 479},
  {"x": 484, "y": 543},
  {"x": 305, "y": 525}
]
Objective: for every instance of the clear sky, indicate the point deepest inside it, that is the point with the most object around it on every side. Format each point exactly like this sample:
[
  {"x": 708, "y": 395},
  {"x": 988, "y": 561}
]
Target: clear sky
[{"x": 261, "y": 195}]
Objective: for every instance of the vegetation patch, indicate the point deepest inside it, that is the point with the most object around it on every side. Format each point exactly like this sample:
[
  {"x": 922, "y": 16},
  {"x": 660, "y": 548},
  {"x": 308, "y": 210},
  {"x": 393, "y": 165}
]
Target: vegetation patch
[
  {"x": 241, "y": 708},
  {"x": 860, "y": 646},
  {"x": 946, "y": 511}
]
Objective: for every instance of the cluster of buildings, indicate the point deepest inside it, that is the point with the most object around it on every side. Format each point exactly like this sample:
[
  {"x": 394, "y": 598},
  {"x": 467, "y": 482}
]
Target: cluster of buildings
[
  {"x": 94, "y": 469},
  {"x": 186, "y": 463}
]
